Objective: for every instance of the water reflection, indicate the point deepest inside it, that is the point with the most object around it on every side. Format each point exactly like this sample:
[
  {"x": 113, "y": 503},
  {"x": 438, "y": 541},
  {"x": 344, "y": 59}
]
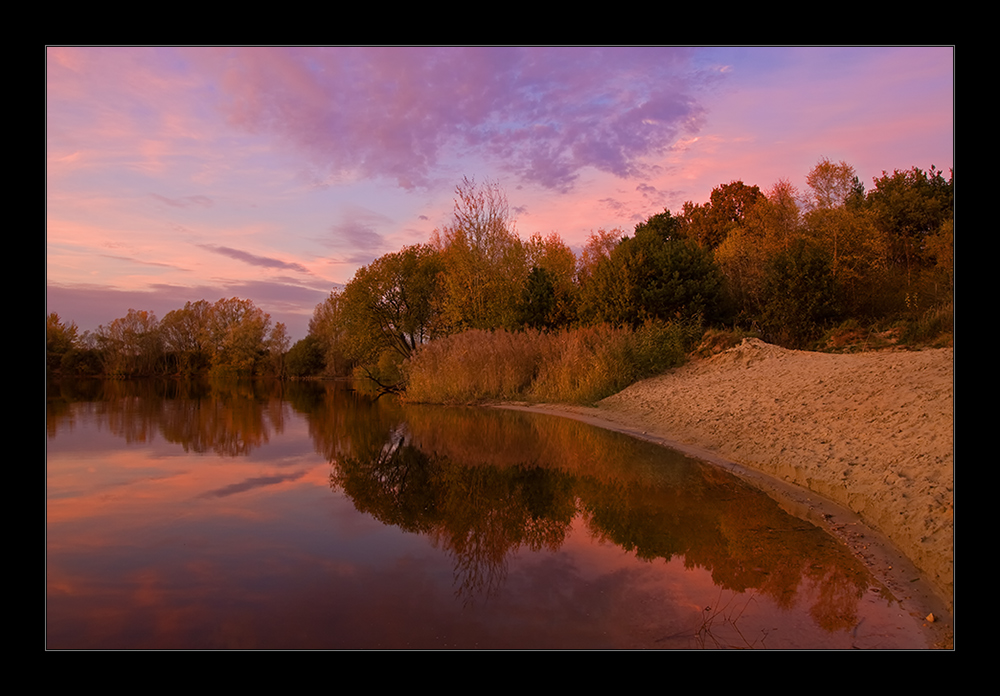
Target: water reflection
[
  {"x": 207, "y": 520},
  {"x": 485, "y": 485}
]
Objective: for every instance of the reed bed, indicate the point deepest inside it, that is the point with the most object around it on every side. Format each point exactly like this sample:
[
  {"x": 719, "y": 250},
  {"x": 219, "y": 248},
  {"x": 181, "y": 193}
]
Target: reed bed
[{"x": 578, "y": 366}]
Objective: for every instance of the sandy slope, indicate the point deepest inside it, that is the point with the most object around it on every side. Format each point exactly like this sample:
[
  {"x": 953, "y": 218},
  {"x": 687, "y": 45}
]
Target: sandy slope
[{"x": 873, "y": 432}]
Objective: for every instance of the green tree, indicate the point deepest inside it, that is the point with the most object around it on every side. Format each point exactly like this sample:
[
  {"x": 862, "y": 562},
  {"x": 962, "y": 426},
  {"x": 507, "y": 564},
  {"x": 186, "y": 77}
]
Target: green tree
[
  {"x": 909, "y": 207},
  {"x": 392, "y": 303},
  {"x": 654, "y": 275},
  {"x": 537, "y": 309},
  {"x": 305, "y": 358},
  {"x": 800, "y": 294}
]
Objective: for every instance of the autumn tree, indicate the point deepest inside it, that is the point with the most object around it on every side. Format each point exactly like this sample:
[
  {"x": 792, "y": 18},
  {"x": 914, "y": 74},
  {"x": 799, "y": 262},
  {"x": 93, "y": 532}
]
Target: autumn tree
[
  {"x": 833, "y": 185},
  {"x": 769, "y": 227},
  {"x": 237, "y": 332},
  {"x": 60, "y": 339},
  {"x": 276, "y": 346},
  {"x": 710, "y": 223},
  {"x": 599, "y": 246},
  {"x": 130, "y": 345},
  {"x": 837, "y": 220},
  {"x": 185, "y": 337},
  {"x": 558, "y": 262},
  {"x": 484, "y": 262},
  {"x": 393, "y": 304},
  {"x": 327, "y": 326}
]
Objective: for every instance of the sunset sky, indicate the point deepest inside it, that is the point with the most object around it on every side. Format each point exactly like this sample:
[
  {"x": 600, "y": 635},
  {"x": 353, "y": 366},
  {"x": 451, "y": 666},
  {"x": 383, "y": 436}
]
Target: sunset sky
[{"x": 273, "y": 174}]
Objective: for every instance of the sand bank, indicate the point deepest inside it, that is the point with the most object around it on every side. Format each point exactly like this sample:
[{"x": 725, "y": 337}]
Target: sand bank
[{"x": 872, "y": 432}]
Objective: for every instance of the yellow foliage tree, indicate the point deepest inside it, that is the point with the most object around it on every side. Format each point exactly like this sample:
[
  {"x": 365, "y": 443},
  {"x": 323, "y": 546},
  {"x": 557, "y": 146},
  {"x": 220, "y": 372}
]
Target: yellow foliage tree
[
  {"x": 770, "y": 227},
  {"x": 484, "y": 261}
]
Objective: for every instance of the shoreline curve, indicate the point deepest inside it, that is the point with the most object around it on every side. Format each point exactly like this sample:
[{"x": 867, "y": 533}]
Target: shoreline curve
[{"x": 861, "y": 444}]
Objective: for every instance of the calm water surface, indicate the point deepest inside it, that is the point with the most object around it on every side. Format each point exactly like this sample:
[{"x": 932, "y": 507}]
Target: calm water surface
[{"x": 259, "y": 515}]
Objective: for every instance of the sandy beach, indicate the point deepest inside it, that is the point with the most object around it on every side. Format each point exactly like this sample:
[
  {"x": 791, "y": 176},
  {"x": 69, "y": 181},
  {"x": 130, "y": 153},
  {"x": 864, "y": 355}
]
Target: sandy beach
[{"x": 872, "y": 432}]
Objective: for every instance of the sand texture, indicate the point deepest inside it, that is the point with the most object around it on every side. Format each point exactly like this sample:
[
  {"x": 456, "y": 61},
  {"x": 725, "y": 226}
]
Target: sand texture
[{"x": 873, "y": 432}]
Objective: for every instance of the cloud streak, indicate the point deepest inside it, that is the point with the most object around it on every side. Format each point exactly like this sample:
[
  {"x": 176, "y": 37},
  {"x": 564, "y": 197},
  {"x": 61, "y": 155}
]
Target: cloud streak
[
  {"x": 253, "y": 259},
  {"x": 185, "y": 202}
]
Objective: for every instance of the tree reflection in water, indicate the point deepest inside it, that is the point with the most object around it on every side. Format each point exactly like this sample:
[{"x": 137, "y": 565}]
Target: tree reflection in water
[
  {"x": 485, "y": 483},
  {"x": 213, "y": 526}
]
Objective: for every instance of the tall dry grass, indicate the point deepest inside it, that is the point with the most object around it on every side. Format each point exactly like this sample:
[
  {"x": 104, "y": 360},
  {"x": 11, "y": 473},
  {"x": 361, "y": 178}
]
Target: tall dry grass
[{"x": 578, "y": 366}]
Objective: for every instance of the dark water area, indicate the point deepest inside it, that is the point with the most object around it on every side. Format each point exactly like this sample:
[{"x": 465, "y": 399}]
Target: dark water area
[{"x": 261, "y": 515}]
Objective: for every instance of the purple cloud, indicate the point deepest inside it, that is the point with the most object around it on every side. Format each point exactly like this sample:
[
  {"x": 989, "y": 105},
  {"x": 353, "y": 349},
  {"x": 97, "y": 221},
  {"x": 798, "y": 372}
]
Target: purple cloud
[
  {"x": 253, "y": 259},
  {"x": 542, "y": 113},
  {"x": 185, "y": 202}
]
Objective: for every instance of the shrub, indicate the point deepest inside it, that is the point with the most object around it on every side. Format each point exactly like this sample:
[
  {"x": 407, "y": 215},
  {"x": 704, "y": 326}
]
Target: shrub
[{"x": 934, "y": 327}]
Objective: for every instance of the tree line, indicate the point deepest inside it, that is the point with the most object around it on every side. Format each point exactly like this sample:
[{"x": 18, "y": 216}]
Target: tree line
[
  {"x": 783, "y": 264},
  {"x": 230, "y": 337}
]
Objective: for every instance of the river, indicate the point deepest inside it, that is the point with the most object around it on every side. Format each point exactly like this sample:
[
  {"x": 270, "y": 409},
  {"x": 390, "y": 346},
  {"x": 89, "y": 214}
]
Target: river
[{"x": 256, "y": 515}]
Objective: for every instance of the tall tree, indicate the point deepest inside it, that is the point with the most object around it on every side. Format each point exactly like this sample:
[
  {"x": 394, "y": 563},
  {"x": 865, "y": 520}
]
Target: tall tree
[
  {"x": 599, "y": 246},
  {"x": 770, "y": 226},
  {"x": 537, "y": 309},
  {"x": 836, "y": 219},
  {"x": 833, "y": 185},
  {"x": 800, "y": 293},
  {"x": 305, "y": 358},
  {"x": 277, "y": 346},
  {"x": 484, "y": 261},
  {"x": 328, "y": 326}
]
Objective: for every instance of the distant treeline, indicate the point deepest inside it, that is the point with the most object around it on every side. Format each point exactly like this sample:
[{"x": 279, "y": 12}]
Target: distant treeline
[
  {"x": 230, "y": 337},
  {"x": 787, "y": 266}
]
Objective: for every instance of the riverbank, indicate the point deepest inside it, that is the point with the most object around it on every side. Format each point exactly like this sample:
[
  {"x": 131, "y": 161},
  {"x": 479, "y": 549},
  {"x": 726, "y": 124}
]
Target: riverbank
[{"x": 873, "y": 432}]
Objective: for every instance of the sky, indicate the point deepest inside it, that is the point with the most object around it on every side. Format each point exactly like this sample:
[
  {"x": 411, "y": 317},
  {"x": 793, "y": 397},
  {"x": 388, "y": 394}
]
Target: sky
[{"x": 176, "y": 174}]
